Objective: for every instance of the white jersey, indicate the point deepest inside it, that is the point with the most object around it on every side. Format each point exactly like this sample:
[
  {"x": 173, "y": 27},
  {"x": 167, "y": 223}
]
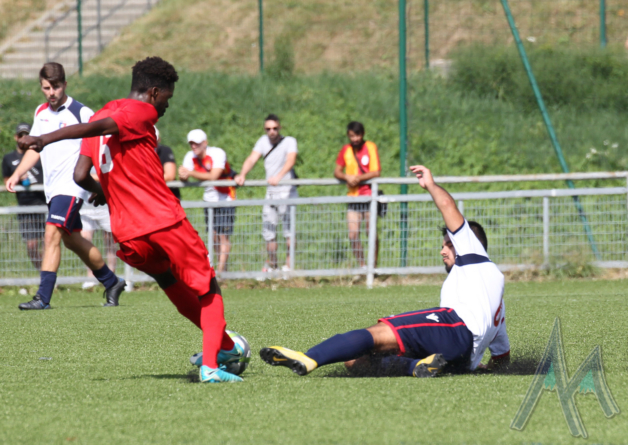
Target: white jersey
[
  {"x": 217, "y": 159},
  {"x": 59, "y": 159},
  {"x": 475, "y": 290}
]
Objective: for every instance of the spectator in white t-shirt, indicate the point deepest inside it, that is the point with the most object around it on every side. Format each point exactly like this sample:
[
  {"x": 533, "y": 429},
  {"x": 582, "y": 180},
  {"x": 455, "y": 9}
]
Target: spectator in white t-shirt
[
  {"x": 280, "y": 155},
  {"x": 205, "y": 163}
]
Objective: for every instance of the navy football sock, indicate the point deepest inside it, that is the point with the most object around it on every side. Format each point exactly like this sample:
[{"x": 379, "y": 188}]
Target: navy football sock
[
  {"x": 342, "y": 347},
  {"x": 46, "y": 285},
  {"x": 106, "y": 277}
]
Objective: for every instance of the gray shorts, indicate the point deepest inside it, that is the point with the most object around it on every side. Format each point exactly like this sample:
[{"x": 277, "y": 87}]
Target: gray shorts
[{"x": 272, "y": 213}]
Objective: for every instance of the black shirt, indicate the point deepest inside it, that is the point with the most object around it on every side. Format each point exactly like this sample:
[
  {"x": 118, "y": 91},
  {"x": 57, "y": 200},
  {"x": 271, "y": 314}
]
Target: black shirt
[
  {"x": 165, "y": 155},
  {"x": 35, "y": 175}
]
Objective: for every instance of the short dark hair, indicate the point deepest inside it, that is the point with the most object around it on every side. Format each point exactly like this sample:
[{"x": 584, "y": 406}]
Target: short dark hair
[
  {"x": 53, "y": 72},
  {"x": 153, "y": 72},
  {"x": 356, "y": 127},
  {"x": 478, "y": 230},
  {"x": 272, "y": 117}
]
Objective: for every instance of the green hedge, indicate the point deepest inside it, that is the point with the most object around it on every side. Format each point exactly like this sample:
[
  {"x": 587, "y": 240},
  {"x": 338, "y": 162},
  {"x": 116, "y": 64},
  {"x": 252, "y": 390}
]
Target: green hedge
[{"x": 585, "y": 79}]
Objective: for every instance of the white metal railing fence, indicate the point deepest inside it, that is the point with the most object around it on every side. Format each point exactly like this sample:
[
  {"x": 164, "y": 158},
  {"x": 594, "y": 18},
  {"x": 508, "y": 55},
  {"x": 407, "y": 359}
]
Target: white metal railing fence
[{"x": 524, "y": 228}]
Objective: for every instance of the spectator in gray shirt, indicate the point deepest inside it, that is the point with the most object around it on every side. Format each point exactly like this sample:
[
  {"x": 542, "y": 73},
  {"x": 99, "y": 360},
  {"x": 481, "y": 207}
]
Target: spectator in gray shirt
[{"x": 279, "y": 154}]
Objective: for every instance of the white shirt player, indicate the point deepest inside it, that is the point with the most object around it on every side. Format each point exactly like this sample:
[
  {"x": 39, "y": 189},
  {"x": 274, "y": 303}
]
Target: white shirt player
[
  {"x": 219, "y": 160},
  {"x": 475, "y": 290},
  {"x": 59, "y": 158}
]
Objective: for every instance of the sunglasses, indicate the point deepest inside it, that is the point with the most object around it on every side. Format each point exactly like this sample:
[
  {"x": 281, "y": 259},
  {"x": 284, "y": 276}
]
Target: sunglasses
[{"x": 269, "y": 129}]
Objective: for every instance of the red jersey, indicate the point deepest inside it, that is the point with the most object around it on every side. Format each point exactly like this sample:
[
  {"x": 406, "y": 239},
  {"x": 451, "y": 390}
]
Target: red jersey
[
  {"x": 130, "y": 171},
  {"x": 369, "y": 162}
]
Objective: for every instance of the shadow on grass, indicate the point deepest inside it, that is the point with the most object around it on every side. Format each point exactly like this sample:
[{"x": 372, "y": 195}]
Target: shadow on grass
[
  {"x": 375, "y": 366},
  {"x": 192, "y": 377}
]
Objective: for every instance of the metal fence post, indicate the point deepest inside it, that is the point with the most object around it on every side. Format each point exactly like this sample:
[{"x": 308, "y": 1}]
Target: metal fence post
[
  {"x": 261, "y": 36},
  {"x": 128, "y": 277},
  {"x": 210, "y": 234},
  {"x": 426, "y": 19},
  {"x": 546, "y": 231},
  {"x": 80, "y": 36},
  {"x": 548, "y": 123},
  {"x": 370, "y": 265},
  {"x": 98, "y": 27},
  {"x": 293, "y": 235},
  {"x": 603, "y": 23},
  {"x": 461, "y": 206},
  {"x": 403, "y": 131}
]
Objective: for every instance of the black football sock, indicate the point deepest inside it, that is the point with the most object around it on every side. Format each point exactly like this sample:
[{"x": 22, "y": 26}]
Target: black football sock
[
  {"x": 106, "y": 277},
  {"x": 342, "y": 347}
]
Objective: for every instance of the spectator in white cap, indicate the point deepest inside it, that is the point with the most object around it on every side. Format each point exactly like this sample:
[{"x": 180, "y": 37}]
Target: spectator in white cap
[{"x": 205, "y": 163}]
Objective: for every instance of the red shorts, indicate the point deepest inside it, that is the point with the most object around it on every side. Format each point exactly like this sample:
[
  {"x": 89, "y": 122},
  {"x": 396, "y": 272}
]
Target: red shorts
[{"x": 179, "y": 248}]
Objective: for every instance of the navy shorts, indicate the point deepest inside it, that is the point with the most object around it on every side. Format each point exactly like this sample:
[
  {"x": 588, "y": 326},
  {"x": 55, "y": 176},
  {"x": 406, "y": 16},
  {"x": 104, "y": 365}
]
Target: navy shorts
[
  {"x": 224, "y": 219},
  {"x": 63, "y": 212},
  {"x": 432, "y": 331}
]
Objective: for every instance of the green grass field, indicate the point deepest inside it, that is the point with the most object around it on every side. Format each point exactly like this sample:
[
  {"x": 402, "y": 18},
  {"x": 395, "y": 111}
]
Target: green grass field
[{"x": 84, "y": 374}]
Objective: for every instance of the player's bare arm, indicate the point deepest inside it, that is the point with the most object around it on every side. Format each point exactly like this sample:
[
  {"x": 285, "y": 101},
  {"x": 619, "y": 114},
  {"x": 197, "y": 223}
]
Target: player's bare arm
[
  {"x": 291, "y": 159},
  {"x": 443, "y": 200},
  {"x": 248, "y": 165},
  {"x": 100, "y": 127},
  {"x": 29, "y": 160},
  {"x": 85, "y": 180}
]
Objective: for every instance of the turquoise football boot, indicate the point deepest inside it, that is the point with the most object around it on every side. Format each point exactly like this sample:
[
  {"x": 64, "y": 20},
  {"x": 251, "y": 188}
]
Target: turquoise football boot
[{"x": 217, "y": 375}]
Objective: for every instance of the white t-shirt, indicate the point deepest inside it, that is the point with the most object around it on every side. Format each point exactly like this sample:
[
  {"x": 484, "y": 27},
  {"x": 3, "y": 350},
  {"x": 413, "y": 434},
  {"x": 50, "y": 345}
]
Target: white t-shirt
[
  {"x": 475, "y": 290},
  {"x": 59, "y": 158},
  {"x": 274, "y": 162},
  {"x": 214, "y": 158}
]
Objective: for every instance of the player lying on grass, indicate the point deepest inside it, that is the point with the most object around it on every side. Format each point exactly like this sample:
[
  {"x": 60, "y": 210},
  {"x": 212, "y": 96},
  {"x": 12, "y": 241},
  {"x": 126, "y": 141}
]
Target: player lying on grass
[
  {"x": 455, "y": 335},
  {"x": 146, "y": 218}
]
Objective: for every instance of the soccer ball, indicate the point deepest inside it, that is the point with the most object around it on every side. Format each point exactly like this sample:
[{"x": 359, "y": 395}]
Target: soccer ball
[{"x": 238, "y": 367}]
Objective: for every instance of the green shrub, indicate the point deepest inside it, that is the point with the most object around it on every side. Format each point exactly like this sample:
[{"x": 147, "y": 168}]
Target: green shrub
[
  {"x": 282, "y": 65},
  {"x": 585, "y": 79}
]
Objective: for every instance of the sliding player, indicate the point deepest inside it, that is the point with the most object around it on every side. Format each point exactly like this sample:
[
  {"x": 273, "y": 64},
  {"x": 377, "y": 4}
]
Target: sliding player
[
  {"x": 470, "y": 318},
  {"x": 64, "y": 197},
  {"x": 146, "y": 218}
]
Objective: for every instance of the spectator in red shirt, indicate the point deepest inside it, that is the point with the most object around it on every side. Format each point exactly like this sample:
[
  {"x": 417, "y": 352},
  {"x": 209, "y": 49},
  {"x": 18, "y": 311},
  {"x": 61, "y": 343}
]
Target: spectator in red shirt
[{"x": 358, "y": 161}]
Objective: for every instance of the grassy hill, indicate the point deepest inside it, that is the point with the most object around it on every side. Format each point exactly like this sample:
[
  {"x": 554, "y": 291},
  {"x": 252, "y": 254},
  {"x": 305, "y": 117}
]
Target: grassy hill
[
  {"x": 344, "y": 36},
  {"x": 453, "y": 131},
  {"x": 14, "y": 14}
]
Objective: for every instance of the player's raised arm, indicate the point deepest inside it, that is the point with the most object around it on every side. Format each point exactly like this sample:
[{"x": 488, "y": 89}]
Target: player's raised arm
[
  {"x": 100, "y": 127},
  {"x": 443, "y": 200}
]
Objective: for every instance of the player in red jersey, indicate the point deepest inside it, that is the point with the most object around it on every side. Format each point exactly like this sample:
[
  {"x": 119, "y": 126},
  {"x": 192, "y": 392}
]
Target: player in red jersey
[{"x": 146, "y": 219}]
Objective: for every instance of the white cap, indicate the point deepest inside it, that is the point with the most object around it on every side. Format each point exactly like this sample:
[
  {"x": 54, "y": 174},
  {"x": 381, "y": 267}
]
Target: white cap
[
  {"x": 197, "y": 136},
  {"x": 156, "y": 132}
]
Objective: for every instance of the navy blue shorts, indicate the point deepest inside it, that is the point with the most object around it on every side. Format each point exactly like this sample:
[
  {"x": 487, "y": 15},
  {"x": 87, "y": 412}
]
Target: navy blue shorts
[
  {"x": 63, "y": 212},
  {"x": 437, "y": 330}
]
